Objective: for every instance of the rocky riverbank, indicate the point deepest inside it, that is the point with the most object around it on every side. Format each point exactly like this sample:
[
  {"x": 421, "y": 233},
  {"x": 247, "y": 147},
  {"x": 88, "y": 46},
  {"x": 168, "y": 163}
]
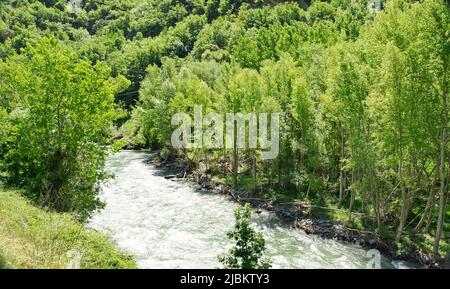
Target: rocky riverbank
[{"x": 297, "y": 213}]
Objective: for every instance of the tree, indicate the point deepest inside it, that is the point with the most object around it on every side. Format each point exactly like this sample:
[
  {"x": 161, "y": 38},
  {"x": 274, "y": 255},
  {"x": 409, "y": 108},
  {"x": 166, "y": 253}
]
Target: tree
[
  {"x": 406, "y": 48},
  {"x": 250, "y": 245},
  {"x": 363, "y": 96},
  {"x": 304, "y": 139},
  {"x": 282, "y": 84},
  {"x": 440, "y": 19},
  {"x": 57, "y": 148},
  {"x": 246, "y": 51},
  {"x": 214, "y": 40}
]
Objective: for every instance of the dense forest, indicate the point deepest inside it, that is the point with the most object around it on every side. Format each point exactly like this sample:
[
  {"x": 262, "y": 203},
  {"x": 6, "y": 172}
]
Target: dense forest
[{"x": 362, "y": 88}]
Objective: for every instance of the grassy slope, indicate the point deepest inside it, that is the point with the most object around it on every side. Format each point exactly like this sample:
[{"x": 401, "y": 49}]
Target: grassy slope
[{"x": 33, "y": 238}]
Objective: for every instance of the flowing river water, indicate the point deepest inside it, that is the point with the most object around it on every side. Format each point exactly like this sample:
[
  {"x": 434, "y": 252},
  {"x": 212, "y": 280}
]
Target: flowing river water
[{"x": 168, "y": 224}]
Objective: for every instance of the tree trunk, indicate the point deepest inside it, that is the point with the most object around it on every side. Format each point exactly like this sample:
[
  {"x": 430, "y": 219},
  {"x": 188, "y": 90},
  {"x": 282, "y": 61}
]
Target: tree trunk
[
  {"x": 403, "y": 216},
  {"x": 235, "y": 160},
  {"x": 341, "y": 171},
  {"x": 254, "y": 171},
  {"x": 376, "y": 201},
  {"x": 442, "y": 191},
  {"x": 279, "y": 172},
  {"x": 430, "y": 203},
  {"x": 352, "y": 198}
]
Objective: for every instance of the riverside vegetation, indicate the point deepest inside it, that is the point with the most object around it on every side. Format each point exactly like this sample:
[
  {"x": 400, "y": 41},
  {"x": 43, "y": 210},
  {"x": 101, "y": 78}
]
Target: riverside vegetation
[
  {"x": 362, "y": 91},
  {"x": 250, "y": 245},
  {"x": 31, "y": 238}
]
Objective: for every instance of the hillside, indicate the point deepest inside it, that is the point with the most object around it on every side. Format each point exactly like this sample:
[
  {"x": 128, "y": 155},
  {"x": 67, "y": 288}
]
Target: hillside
[{"x": 358, "y": 93}]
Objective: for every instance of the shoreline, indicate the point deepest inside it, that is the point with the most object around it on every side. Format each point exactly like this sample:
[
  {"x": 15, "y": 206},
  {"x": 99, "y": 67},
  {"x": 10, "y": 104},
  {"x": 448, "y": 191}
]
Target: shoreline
[{"x": 295, "y": 213}]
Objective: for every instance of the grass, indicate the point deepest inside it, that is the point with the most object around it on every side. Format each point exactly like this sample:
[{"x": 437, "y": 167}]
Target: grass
[
  {"x": 31, "y": 238},
  {"x": 3, "y": 264}
]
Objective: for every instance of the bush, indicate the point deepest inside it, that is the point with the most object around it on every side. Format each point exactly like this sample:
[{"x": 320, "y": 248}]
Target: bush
[
  {"x": 57, "y": 145},
  {"x": 250, "y": 245}
]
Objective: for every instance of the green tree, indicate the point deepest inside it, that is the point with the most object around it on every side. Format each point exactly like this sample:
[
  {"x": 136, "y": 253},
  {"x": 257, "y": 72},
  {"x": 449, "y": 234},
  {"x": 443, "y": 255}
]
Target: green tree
[
  {"x": 58, "y": 145},
  {"x": 250, "y": 245}
]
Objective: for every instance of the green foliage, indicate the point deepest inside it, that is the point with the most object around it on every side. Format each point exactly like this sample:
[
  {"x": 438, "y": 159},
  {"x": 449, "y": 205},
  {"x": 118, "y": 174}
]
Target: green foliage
[
  {"x": 3, "y": 264},
  {"x": 57, "y": 147},
  {"x": 215, "y": 40},
  {"x": 250, "y": 245},
  {"x": 363, "y": 95}
]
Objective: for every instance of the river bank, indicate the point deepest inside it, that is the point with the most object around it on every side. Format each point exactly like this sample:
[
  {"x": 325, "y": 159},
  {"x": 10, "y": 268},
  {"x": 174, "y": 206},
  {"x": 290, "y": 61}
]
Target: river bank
[
  {"x": 166, "y": 224},
  {"x": 31, "y": 238},
  {"x": 299, "y": 214}
]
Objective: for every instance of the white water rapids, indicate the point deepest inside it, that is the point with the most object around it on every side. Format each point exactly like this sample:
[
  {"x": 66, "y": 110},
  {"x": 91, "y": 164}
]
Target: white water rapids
[{"x": 168, "y": 224}]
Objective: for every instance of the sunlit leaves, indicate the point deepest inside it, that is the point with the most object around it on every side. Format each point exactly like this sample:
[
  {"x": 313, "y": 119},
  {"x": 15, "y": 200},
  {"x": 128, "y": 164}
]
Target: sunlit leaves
[{"x": 57, "y": 147}]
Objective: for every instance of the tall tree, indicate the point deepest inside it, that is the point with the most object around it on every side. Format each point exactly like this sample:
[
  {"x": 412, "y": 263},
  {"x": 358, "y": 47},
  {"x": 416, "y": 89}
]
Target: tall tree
[{"x": 59, "y": 141}]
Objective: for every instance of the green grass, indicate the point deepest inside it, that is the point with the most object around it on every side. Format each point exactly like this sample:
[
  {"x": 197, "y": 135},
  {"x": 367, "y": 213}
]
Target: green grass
[
  {"x": 33, "y": 238},
  {"x": 3, "y": 264}
]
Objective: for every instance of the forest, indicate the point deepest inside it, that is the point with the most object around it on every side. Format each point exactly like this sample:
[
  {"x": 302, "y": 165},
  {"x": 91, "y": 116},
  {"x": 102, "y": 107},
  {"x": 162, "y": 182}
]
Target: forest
[{"x": 361, "y": 87}]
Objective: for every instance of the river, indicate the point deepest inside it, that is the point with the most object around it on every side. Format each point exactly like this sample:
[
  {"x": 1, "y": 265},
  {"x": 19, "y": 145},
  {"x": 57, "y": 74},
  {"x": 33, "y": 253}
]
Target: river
[{"x": 168, "y": 224}]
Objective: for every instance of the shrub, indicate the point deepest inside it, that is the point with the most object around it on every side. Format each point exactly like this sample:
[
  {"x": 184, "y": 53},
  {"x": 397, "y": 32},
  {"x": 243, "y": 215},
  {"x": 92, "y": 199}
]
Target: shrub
[
  {"x": 250, "y": 245},
  {"x": 57, "y": 148}
]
